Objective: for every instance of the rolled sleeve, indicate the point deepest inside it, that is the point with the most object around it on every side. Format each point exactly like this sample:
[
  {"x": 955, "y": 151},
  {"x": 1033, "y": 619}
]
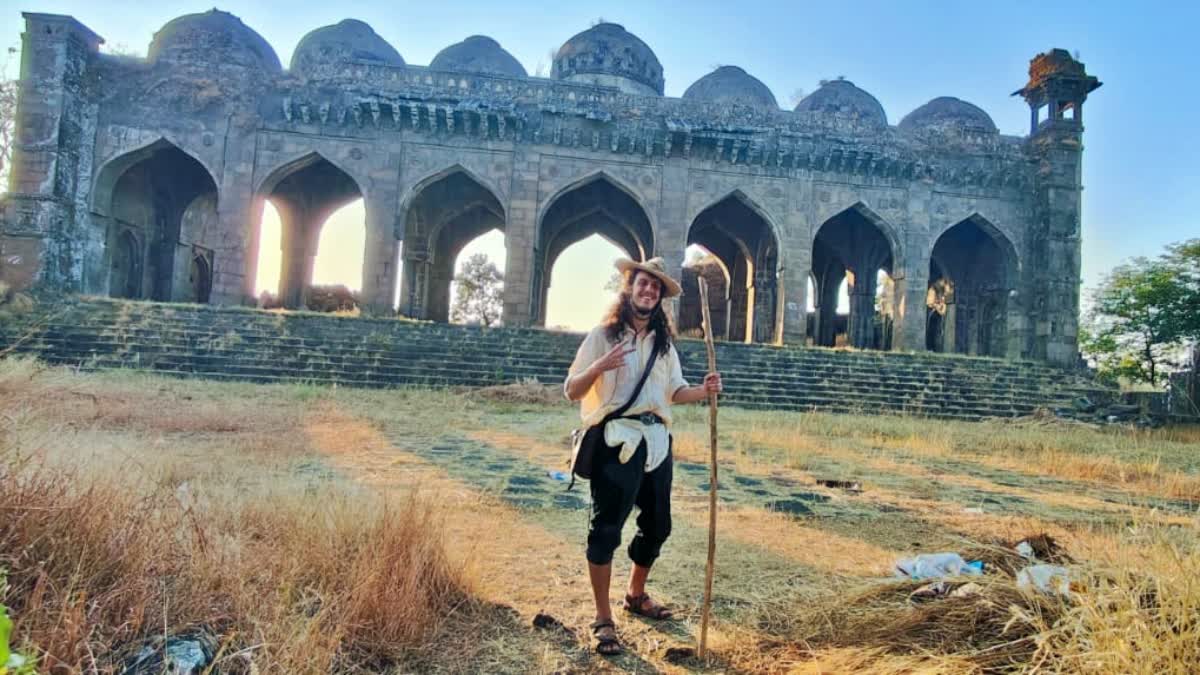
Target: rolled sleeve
[
  {"x": 677, "y": 380},
  {"x": 587, "y": 354}
]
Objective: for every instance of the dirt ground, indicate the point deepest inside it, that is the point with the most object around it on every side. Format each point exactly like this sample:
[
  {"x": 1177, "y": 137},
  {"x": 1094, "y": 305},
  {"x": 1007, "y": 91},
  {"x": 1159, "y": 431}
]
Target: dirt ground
[{"x": 488, "y": 460}]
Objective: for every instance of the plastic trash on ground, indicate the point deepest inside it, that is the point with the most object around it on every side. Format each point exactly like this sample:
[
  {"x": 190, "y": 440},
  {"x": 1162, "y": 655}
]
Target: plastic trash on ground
[
  {"x": 1025, "y": 550},
  {"x": 936, "y": 566},
  {"x": 1045, "y": 578}
]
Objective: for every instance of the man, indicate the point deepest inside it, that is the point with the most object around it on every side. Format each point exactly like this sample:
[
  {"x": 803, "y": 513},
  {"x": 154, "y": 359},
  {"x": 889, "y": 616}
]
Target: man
[{"x": 635, "y": 465}]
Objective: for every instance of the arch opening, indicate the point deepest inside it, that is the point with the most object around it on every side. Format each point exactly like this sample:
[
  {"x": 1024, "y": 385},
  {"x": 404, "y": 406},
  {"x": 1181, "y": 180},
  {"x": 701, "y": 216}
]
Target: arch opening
[
  {"x": 477, "y": 289},
  {"x": 581, "y": 297},
  {"x": 442, "y": 219},
  {"x": 598, "y": 207},
  {"x": 972, "y": 278},
  {"x": 305, "y": 196},
  {"x": 853, "y": 249},
  {"x": 700, "y": 262},
  {"x": 744, "y": 246},
  {"x": 157, "y": 204}
]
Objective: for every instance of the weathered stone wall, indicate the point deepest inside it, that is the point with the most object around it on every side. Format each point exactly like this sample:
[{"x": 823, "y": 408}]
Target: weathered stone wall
[{"x": 396, "y": 132}]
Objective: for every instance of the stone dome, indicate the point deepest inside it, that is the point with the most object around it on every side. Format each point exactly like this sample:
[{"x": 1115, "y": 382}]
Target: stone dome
[
  {"x": 478, "y": 54},
  {"x": 948, "y": 112},
  {"x": 347, "y": 40},
  {"x": 607, "y": 54},
  {"x": 730, "y": 84},
  {"x": 840, "y": 97},
  {"x": 212, "y": 37}
]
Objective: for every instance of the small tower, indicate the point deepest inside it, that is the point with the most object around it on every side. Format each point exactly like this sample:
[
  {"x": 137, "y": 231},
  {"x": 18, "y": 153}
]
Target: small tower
[{"x": 1058, "y": 86}]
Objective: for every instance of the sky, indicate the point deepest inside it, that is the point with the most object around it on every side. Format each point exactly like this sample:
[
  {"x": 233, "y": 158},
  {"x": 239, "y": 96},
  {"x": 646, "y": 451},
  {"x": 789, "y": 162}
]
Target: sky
[{"x": 1141, "y": 166}]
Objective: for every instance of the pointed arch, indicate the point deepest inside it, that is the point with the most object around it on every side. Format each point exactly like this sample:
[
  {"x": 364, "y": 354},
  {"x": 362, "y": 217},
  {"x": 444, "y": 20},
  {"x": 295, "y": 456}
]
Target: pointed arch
[
  {"x": 974, "y": 272},
  {"x": 853, "y": 245},
  {"x": 889, "y": 231},
  {"x": 266, "y": 185},
  {"x": 741, "y": 234},
  {"x": 432, "y": 177},
  {"x": 748, "y": 202},
  {"x": 305, "y": 191},
  {"x": 439, "y": 216},
  {"x": 592, "y": 177},
  {"x": 1012, "y": 260},
  {"x": 599, "y": 204},
  {"x": 109, "y": 171}
]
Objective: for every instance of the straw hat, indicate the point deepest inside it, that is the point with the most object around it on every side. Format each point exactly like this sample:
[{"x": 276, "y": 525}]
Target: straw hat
[{"x": 657, "y": 267}]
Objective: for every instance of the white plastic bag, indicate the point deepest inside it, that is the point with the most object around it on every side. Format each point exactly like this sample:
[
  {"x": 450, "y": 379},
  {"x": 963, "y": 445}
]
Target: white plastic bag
[
  {"x": 936, "y": 566},
  {"x": 1045, "y": 578}
]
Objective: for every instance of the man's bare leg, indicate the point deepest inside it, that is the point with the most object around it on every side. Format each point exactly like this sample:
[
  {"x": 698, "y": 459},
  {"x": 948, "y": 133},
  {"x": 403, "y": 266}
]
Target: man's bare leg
[
  {"x": 601, "y": 576},
  {"x": 637, "y": 589},
  {"x": 637, "y": 580}
]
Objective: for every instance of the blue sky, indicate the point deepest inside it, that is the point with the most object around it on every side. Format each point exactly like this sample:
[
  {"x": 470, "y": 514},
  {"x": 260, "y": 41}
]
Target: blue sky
[{"x": 1142, "y": 158}]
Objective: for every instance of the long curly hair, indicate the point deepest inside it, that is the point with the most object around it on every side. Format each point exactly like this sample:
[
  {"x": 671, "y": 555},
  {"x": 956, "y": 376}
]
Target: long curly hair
[{"x": 620, "y": 318}]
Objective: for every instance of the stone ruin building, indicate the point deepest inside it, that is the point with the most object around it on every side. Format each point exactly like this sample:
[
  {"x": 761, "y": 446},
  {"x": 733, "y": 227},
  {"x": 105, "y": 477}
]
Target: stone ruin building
[{"x": 146, "y": 178}]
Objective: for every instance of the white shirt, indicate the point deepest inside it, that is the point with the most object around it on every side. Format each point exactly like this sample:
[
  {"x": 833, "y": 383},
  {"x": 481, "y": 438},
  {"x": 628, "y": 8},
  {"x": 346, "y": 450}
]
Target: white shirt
[{"x": 613, "y": 388}]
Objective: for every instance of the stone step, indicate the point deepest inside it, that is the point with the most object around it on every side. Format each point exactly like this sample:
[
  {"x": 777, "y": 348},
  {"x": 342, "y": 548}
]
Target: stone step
[
  {"x": 451, "y": 378},
  {"x": 571, "y": 340},
  {"x": 191, "y": 340},
  {"x": 81, "y": 350},
  {"x": 450, "y": 373},
  {"x": 223, "y": 343}
]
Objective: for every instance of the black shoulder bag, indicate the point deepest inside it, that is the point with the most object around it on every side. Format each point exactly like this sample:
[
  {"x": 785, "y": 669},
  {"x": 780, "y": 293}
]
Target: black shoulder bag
[{"x": 585, "y": 442}]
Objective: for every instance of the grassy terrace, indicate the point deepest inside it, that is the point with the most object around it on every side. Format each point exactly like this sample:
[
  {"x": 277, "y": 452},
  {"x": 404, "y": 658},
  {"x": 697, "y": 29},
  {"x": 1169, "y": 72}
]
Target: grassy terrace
[{"x": 318, "y": 529}]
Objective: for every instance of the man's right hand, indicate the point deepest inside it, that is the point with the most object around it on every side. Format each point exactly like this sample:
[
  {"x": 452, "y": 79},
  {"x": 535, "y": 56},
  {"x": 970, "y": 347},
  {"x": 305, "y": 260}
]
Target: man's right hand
[{"x": 614, "y": 358}]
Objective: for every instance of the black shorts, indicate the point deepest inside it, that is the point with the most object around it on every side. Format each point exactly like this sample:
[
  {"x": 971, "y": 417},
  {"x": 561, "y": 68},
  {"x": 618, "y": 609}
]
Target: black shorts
[{"x": 616, "y": 488}]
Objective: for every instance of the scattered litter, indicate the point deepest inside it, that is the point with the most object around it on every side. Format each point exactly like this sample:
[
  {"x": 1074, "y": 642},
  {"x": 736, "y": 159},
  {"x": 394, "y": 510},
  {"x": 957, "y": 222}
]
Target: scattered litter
[
  {"x": 1043, "y": 548},
  {"x": 941, "y": 589},
  {"x": 973, "y": 510},
  {"x": 936, "y": 566},
  {"x": 1011, "y": 556},
  {"x": 182, "y": 654},
  {"x": 1045, "y": 578},
  {"x": 967, "y": 590},
  {"x": 848, "y": 485},
  {"x": 1025, "y": 550},
  {"x": 561, "y": 476},
  {"x": 679, "y": 654},
  {"x": 929, "y": 592}
]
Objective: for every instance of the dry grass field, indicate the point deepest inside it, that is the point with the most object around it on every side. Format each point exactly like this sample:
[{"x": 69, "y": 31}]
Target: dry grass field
[{"x": 325, "y": 530}]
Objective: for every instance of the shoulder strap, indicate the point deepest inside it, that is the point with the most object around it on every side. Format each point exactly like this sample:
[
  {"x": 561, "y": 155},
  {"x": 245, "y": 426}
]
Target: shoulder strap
[{"x": 636, "y": 390}]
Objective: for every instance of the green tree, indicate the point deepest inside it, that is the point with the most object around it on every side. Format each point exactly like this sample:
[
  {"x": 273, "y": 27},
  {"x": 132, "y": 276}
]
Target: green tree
[
  {"x": 1145, "y": 313},
  {"x": 479, "y": 296}
]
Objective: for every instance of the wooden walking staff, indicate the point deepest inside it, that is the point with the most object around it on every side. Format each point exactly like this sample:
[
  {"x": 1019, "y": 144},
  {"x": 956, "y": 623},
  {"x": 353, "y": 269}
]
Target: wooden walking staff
[{"x": 712, "y": 472}]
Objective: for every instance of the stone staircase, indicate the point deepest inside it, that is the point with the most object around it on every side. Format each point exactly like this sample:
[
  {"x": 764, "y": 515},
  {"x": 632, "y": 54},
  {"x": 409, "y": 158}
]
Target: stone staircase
[{"x": 259, "y": 346}]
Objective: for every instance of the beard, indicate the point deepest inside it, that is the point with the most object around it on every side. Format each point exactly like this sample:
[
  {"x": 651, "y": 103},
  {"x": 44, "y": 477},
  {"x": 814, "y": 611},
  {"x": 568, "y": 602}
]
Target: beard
[{"x": 643, "y": 313}]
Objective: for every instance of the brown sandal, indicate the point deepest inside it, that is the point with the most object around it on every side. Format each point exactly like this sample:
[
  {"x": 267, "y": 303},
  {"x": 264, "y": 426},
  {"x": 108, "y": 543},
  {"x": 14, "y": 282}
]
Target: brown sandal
[
  {"x": 637, "y": 605},
  {"x": 606, "y": 644}
]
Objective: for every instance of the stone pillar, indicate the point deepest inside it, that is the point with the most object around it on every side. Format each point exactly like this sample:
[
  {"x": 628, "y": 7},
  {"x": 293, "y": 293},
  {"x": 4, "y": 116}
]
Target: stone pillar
[
  {"x": 825, "y": 330},
  {"x": 381, "y": 255},
  {"x": 862, "y": 311},
  {"x": 911, "y": 312},
  {"x": 437, "y": 294},
  {"x": 239, "y": 217},
  {"x": 950, "y": 328},
  {"x": 38, "y": 228},
  {"x": 670, "y": 240},
  {"x": 520, "y": 239},
  {"x": 792, "y": 300},
  {"x": 301, "y": 229}
]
